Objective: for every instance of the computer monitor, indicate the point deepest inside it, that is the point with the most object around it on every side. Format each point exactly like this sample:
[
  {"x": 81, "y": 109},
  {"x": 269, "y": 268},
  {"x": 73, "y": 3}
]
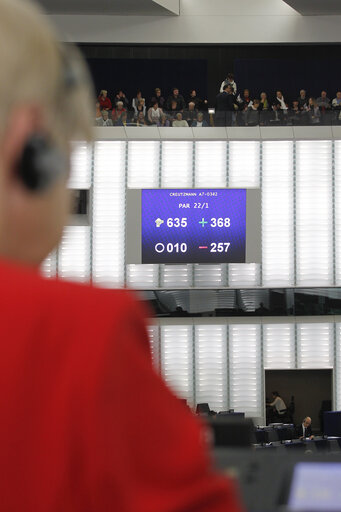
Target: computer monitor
[
  {"x": 332, "y": 423},
  {"x": 316, "y": 487},
  {"x": 203, "y": 408},
  {"x": 231, "y": 431}
]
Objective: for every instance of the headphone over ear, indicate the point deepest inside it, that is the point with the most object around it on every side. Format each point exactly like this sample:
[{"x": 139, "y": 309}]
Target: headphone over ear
[{"x": 41, "y": 164}]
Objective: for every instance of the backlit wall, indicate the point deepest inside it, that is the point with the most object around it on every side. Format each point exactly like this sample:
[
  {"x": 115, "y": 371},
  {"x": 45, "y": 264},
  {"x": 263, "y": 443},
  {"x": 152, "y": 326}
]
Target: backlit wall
[
  {"x": 219, "y": 362},
  {"x": 222, "y": 361},
  {"x": 301, "y": 210}
]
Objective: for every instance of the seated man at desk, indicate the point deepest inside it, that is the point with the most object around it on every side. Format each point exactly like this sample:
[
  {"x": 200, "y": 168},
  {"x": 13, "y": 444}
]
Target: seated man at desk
[
  {"x": 304, "y": 430},
  {"x": 278, "y": 405}
]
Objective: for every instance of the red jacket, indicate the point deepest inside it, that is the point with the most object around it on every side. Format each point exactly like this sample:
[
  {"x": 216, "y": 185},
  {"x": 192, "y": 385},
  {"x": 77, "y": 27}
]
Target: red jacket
[
  {"x": 86, "y": 424},
  {"x": 104, "y": 102}
]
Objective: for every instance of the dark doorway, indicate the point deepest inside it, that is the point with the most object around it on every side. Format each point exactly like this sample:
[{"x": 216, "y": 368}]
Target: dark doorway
[{"x": 308, "y": 387}]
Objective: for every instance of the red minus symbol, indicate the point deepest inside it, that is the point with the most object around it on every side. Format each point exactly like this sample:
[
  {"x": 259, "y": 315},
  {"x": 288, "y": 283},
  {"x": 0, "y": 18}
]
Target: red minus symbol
[{"x": 203, "y": 247}]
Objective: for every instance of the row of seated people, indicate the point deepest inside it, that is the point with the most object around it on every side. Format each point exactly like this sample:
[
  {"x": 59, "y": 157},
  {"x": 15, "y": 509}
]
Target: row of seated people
[
  {"x": 155, "y": 116},
  {"x": 139, "y": 101},
  {"x": 230, "y": 110},
  {"x": 243, "y": 111}
]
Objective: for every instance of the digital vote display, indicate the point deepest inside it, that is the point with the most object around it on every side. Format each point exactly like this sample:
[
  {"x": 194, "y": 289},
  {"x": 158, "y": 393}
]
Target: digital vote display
[{"x": 193, "y": 226}]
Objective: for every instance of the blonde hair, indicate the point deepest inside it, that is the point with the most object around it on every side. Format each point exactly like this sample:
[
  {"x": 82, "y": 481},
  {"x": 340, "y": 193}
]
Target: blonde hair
[{"x": 39, "y": 71}]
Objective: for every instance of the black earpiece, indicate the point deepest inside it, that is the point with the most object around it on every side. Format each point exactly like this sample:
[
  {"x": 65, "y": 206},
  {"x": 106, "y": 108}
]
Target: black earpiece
[{"x": 40, "y": 164}]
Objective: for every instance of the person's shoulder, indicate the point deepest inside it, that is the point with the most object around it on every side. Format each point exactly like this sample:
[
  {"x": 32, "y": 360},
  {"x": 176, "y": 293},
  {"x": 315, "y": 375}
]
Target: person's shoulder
[{"x": 27, "y": 288}]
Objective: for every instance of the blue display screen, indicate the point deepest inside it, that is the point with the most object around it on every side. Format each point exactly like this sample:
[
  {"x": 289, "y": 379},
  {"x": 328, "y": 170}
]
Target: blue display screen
[{"x": 193, "y": 225}]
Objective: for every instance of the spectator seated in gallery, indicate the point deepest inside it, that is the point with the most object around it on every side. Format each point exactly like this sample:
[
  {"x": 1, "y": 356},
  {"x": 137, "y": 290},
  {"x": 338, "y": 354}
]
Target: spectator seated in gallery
[
  {"x": 123, "y": 120},
  {"x": 154, "y": 114},
  {"x": 164, "y": 121},
  {"x": 178, "y": 98},
  {"x": 336, "y": 106},
  {"x": 200, "y": 121},
  {"x": 140, "y": 108},
  {"x": 141, "y": 120},
  {"x": 295, "y": 114},
  {"x": 253, "y": 114},
  {"x": 173, "y": 111},
  {"x": 229, "y": 80},
  {"x": 325, "y": 106},
  {"x": 244, "y": 102},
  {"x": 157, "y": 98},
  {"x": 117, "y": 112},
  {"x": 190, "y": 114},
  {"x": 120, "y": 96},
  {"x": 282, "y": 107},
  {"x": 137, "y": 101},
  {"x": 179, "y": 122},
  {"x": 303, "y": 100},
  {"x": 104, "y": 121},
  {"x": 313, "y": 111},
  {"x": 265, "y": 109},
  {"x": 323, "y": 102},
  {"x": 199, "y": 103},
  {"x": 275, "y": 119},
  {"x": 104, "y": 101}
]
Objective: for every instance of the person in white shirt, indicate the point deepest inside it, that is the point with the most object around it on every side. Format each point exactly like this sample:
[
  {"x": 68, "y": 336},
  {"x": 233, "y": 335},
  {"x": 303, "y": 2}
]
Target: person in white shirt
[
  {"x": 179, "y": 122},
  {"x": 229, "y": 80},
  {"x": 278, "y": 404},
  {"x": 104, "y": 121},
  {"x": 281, "y": 102},
  {"x": 155, "y": 114}
]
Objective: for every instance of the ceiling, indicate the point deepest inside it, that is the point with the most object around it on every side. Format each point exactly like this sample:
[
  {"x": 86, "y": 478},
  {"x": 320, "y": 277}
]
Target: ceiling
[
  {"x": 316, "y": 7},
  {"x": 113, "y": 7}
]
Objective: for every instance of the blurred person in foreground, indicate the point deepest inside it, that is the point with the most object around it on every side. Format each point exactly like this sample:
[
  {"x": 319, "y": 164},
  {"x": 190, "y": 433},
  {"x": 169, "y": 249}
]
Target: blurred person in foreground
[{"x": 86, "y": 422}]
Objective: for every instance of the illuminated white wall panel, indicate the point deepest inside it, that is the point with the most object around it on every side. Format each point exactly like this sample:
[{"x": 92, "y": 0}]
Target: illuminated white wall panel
[
  {"x": 74, "y": 254},
  {"x": 210, "y": 275},
  {"x": 142, "y": 276},
  {"x": 337, "y": 146},
  {"x": 176, "y": 276},
  {"x": 210, "y": 164},
  {"x": 80, "y": 174},
  {"x": 177, "y": 164},
  {"x": 177, "y": 359},
  {"x": 108, "y": 213},
  {"x": 279, "y": 346},
  {"x": 244, "y": 274},
  {"x": 245, "y": 369},
  {"x": 211, "y": 365},
  {"x": 278, "y": 214},
  {"x": 244, "y": 159},
  {"x": 315, "y": 345},
  {"x": 337, "y": 374},
  {"x": 314, "y": 222},
  {"x": 143, "y": 164}
]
